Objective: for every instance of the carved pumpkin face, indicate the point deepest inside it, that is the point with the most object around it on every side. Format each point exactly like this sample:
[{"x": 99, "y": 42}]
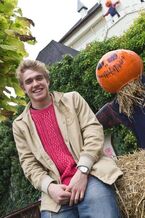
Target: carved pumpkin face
[
  {"x": 116, "y": 68},
  {"x": 108, "y": 3}
]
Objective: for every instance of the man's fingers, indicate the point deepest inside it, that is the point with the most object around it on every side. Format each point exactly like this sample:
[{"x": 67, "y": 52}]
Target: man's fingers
[
  {"x": 68, "y": 188},
  {"x": 64, "y": 187},
  {"x": 66, "y": 195},
  {"x": 77, "y": 197},
  {"x": 71, "y": 202},
  {"x": 82, "y": 195}
]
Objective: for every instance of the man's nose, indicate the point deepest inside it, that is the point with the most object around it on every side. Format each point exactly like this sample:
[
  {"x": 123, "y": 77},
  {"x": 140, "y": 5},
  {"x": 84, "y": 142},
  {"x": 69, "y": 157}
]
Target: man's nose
[{"x": 35, "y": 82}]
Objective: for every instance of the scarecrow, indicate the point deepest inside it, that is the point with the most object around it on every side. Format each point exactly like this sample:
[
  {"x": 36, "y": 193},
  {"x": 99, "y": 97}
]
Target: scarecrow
[
  {"x": 111, "y": 9},
  {"x": 121, "y": 72}
]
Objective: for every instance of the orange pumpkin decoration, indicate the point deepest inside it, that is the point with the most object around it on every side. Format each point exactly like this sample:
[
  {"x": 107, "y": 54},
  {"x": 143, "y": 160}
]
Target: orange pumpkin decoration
[
  {"x": 116, "y": 68},
  {"x": 108, "y": 3}
]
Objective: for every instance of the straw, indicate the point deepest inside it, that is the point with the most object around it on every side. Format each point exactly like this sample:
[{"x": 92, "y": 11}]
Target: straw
[
  {"x": 130, "y": 188},
  {"x": 131, "y": 95}
]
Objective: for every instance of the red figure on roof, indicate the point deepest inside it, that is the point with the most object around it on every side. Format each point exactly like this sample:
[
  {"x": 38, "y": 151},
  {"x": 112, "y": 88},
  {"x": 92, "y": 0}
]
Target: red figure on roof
[{"x": 112, "y": 8}]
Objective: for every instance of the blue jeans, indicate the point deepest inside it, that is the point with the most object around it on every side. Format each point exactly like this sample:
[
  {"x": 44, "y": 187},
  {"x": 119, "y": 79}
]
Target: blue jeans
[{"x": 99, "y": 202}]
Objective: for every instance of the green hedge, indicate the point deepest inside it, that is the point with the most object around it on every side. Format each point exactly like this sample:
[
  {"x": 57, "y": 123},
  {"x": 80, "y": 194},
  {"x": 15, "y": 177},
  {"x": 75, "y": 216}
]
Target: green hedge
[{"x": 15, "y": 191}]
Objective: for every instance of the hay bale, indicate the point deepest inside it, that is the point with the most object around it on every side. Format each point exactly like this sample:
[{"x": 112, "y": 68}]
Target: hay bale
[{"x": 131, "y": 187}]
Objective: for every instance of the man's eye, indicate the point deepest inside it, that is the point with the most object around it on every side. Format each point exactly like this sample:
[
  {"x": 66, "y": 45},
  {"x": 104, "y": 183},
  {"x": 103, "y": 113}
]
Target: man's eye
[
  {"x": 27, "y": 82},
  {"x": 39, "y": 78}
]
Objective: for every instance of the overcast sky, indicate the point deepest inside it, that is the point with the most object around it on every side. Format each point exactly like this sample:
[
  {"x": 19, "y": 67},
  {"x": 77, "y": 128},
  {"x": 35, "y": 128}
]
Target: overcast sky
[{"x": 52, "y": 18}]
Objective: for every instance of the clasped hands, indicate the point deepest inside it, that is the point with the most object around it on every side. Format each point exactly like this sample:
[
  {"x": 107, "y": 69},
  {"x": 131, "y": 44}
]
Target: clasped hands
[{"x": 71, "y": 194}]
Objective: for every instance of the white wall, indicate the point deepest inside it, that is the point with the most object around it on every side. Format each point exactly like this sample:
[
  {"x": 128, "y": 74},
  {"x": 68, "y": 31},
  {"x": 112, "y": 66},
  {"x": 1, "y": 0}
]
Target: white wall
[{"x": 100, "y": 28}]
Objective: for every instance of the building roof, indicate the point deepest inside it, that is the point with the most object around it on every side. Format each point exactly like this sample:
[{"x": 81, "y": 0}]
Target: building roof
[
  {"x": 90, "y": 13},
  {"x": 80, "y": 6},
  {"x": 54, "y": 52}
]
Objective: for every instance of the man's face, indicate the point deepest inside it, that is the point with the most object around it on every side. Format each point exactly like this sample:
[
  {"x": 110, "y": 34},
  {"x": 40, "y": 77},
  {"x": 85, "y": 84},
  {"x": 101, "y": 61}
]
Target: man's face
[{"x": 35, "y": 86}]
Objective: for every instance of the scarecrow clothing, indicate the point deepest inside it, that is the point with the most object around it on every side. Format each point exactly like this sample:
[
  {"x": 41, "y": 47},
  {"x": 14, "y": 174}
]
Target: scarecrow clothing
[
  {"x": 109, "y": 116},
  {"x": 112, "y": 10}
]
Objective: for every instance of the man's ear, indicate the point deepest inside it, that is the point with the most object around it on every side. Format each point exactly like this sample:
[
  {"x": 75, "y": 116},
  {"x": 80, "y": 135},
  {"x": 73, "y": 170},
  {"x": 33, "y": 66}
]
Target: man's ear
[
  {"x": 22, "y": 87},
  {"x": 48, "y": 82}
]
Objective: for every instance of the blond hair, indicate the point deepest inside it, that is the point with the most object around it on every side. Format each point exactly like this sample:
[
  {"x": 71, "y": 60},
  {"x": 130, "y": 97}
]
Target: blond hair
[{"x": 34, "y": 65}]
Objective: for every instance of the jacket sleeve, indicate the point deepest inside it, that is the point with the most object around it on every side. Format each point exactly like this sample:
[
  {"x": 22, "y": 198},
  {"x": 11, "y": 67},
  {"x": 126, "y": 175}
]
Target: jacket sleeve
[
  {"x": 92, "y": 133},
  {"x": 33, "y": 169},
  {"x": 108, "y": 117}
]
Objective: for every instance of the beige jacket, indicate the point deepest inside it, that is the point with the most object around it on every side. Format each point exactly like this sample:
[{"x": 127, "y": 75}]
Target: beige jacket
[{"x": 83, "y": 136}]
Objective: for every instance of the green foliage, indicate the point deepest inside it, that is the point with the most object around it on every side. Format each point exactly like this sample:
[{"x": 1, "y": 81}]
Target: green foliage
[
  {"x": 123, "y": 140},
  {"x": 62, "y": 71},
  {"x": 134, "y": 38},
  {"x": 15, "y": 191},
  {"x": 15, "y": 30}
]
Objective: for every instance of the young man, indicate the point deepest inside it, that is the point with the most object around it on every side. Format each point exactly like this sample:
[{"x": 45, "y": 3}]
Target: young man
[{"x": 59, "y": 142}]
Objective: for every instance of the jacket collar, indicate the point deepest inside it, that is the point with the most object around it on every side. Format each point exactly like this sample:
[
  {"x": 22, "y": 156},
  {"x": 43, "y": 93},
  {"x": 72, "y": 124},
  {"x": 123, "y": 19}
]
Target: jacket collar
[{"x": 56, "y": 96}]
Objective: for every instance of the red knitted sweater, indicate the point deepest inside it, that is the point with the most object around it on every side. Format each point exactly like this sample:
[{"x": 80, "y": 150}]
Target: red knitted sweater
[{"x": 53, "y": 142}]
